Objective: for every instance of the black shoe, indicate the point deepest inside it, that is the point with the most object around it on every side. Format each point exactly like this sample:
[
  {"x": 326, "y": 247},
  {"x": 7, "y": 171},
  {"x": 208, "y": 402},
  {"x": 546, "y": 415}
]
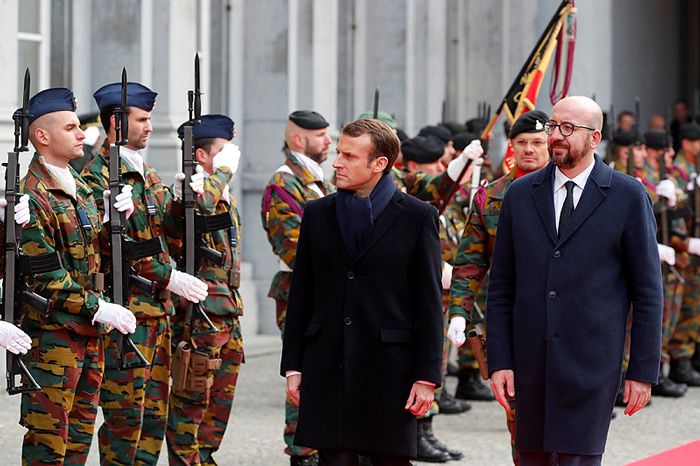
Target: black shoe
[
  {"x": 695, "y": 360},
  {"x": 452, "y": 369},
  {"x": 430, "y": 435},
  {"x": 682, "y": 372},
  {"x": 668, "y": 388},
  {"x": 450, "y": 405},
  {"x": 614, "y": 415},
  {"x": 304, "y": 460},
  {"x": 426, "y": 451},
  {"x": 471, "y": 387}
]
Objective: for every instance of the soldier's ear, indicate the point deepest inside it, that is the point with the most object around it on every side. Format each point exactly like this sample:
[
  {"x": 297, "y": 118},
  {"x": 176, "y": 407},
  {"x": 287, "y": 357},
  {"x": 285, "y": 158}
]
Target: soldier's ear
[
  {"x": 200, "y": 155},
  {"x": 41, "y": 136}
]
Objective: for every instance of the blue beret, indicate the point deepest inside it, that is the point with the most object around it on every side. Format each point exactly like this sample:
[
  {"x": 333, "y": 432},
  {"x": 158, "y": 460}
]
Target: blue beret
[
  {"x": 55, "y": 99},
  {"x": 137, "y": 95},
  {"x": 212, "y": 126}
]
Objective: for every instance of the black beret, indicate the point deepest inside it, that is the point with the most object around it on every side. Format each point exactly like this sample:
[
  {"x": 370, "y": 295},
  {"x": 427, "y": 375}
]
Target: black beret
[
  {"x": 454, "y": 126},
  {"x": 529, "y": 122},
  {"x": 476, "y": 125},
  {"x": 439, "y": 132},
  {"x": 625, "y": 138},
  {"x": 690, "y": 131},
  {"x": 401, "y": 134},
  {"x": 422, "y": 149},
  {"x": 308, "y": 119},
  {"x": 656, "y": 139},
  {"x": 463, "y": 139}
]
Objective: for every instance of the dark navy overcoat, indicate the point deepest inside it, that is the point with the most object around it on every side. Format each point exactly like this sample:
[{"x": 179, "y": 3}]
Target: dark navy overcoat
[
  {"x": 363, "y": 329},
  {"x": 558, "y": 307}
]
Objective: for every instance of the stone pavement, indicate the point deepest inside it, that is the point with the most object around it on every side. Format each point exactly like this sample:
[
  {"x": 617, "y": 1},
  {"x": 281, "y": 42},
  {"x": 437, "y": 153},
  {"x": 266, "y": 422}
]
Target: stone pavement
[{"x": 254, "y": 436}]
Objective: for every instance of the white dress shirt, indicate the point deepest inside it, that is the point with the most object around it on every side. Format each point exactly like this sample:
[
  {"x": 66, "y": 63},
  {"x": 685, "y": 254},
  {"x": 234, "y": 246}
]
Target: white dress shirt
[{"x": 560, "y": 180}]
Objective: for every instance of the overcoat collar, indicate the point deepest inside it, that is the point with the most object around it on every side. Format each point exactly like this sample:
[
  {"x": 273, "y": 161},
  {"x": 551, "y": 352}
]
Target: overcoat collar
[{"x": 593, "y": 194}]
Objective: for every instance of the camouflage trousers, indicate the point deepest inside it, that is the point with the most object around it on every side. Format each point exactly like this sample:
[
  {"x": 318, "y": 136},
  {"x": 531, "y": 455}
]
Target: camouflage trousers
[
  {"x": 61, "y": 416},
  {"x": 673, "y": 300},
  {"x": 291, "y": 412},
  {"x": 687, "y": 331},
  {"x": 135, "y": 402},
  {"x": 197, "y": 421}
]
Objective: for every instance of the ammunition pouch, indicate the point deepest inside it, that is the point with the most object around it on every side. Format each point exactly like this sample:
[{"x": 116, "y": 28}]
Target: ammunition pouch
[
  {"x": 42, "y": 263},
  {"x": 132, "y": 250},
  {"x": 191, "y": 370},
  {"x": 231, "y": 277}
]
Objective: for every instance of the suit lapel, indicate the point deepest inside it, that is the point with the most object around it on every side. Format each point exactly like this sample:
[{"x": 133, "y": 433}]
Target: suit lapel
[
  {"x": 336, "y": 230},
  {"x": 592, "y": 195},
  {"x": 544, "y": 200},
  {"x": 384, "y": 221}
]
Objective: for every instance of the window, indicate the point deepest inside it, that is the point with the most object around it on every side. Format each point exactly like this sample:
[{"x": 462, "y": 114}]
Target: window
[{"x": 32, "y": 47}]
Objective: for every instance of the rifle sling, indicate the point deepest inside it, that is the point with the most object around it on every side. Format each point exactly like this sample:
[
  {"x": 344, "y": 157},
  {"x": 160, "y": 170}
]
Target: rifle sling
[
  {"x": 42, "y": 263},
  {"x": 209, "y": 223},
  {"x": 132, "y": 250}
]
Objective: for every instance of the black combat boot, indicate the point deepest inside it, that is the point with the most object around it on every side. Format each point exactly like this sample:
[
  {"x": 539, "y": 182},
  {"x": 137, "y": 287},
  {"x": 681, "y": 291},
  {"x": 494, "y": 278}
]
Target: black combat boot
[
  {"x": 695, "y": 360},
  {"x": 426, "y": 451},
  {"x": 452, "y": 369},
  {"x": 430, "y": 435},
  {"x": 682, "y": 372},
  {"x": 668, "y": 388},
  {"x": 304, "y": 460},
  {"x": 450, "y": 405},
  {"x": 471, "y": 387}
]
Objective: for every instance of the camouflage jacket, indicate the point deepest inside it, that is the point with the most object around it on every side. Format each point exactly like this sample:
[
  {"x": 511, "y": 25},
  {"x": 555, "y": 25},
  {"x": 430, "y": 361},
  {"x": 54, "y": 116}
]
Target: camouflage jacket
[
  {"x": 155, "y": 216},
  {"x": 452, "y": 223},
  {"x": 473, "y": 258},
  {"x": 421, "y": 185},
  {"x": 285, "y": 197},
  {"x": 223, "y": 297},
  {"x": 56, "y": 224}
]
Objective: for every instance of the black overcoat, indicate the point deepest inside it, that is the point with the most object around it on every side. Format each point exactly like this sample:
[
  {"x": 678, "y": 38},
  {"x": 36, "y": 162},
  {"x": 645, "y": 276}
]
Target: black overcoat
[
  {"x": 558, "y": 307},
  {"x": 362, "y": 330}
]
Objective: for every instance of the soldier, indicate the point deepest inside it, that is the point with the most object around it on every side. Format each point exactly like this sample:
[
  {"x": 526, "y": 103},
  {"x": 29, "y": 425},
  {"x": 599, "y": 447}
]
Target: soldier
[
  {"x": 473, "y": 259},
  {"x": 683, "y": 341},
  {"x": 198, "y": 414},
  {"x": 63, "y": 237},
  {"x": 444, "y": 135},
  {"x": 665, "y": 190},
  {"x": 624, "y": 146},
  {"x": 135, "y": 402},
  {"x": 423, "y": 154}
]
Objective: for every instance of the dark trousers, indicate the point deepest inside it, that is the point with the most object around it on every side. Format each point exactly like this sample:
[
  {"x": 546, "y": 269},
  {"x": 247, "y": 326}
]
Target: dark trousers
[
  {"x": 545, "y": 458},
  {"x": 351, "y": 458}
]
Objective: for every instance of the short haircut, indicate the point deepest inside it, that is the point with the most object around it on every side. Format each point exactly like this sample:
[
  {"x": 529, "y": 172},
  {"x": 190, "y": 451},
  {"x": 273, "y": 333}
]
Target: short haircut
[
  {"x": 106, "y": 114},
  {"x": 204, "y": 144},
  {"x": 385, "y": 142},
  {"x": 623, "y": 114}
]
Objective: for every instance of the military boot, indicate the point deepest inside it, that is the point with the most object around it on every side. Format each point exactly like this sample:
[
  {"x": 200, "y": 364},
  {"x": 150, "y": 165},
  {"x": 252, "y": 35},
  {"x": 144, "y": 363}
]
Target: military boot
[
  {"x": 695, "y": 360},
  {"x": 430, "y": 435},
  {"x": 426, "y": 451},
  {"x": 668, "y": 388},
  {"x": 450, "y": 405},
  {"x": 471, "y": 387},
  {"x": 304, "y": 460},
  {"x": 682, "y": 372}
]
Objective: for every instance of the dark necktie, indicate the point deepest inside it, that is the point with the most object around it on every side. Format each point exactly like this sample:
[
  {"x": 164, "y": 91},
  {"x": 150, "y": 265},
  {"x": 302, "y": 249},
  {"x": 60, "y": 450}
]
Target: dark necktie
[{"x": 568, "y": 207}]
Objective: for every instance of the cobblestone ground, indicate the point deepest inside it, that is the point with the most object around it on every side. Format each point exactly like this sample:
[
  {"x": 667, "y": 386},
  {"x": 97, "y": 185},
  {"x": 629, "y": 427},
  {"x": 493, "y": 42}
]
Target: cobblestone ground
[{"x": 254, "y": 436}]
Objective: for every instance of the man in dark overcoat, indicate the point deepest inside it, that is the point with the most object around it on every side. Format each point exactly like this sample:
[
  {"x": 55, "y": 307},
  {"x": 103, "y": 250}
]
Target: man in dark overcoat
[
  {"x": 363, "y": 340},
  {"x": 575, "y": 251}
]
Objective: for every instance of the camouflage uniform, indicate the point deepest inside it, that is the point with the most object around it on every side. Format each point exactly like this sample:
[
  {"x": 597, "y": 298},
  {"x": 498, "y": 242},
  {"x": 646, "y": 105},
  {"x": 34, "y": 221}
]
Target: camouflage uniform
[
  {"x": 285, "y": 196},
  {"x": 473, "y": 258},
  {"x": 135, "y": 402},
  {"x": 66, "y": 356},
  {"x": 687, "y": 331},
  {"x": 197, "y": 420}
]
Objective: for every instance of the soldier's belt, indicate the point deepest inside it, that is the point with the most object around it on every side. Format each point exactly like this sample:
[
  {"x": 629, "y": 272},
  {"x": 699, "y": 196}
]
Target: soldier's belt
[
  {"x": 132, "y": 250},
  {"x": 209, "y": 223},
  {"x": 41, "y": 263}
]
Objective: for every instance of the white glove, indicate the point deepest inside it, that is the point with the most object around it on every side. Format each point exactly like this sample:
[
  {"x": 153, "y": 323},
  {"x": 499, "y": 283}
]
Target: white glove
[
  {"x": 229, "y": 156},
  {"x": 196, "y": 183},
  {"x": 123, "y": 202},
  {"x": 21, "y": 210},
  {"x": 472, "y": 152},
  {"x": 191, "y": 288},
  {"x": 694, "y": 246},
  {"x": 667, "y": 254},
  {"x": 455, "y": 333},
  {"x": 13, "y": 339},
  {"x": 115, "y": 315},
  {"x": 667, "y": 189},
  {"x": 446, "y": 276}
]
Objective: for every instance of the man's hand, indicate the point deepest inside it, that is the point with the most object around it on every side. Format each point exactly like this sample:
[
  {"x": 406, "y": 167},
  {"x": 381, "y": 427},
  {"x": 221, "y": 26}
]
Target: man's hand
[
  {"x": 21, "y": 210},
  {"x": 420, "y": 399},
  {"x": 503, "y": 386},
  {"x": 667, "y": 254},
  {"x": 293, "y": 385},
  {"x": 666, "y": 188},
  {"x": 455, "y": 333},
  {"x": 472, "y": 152},
  {"x": 637, "y": 395}
]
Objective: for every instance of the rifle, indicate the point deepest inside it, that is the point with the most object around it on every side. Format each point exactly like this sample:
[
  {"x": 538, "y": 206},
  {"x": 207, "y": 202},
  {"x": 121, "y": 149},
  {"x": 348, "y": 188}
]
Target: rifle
[
  {"x": 664, "y": 218},
  {"x": 477, "y": 343},
  {"x": 15, "y": 261},
  {"x": 194, "y": 247},
  {"x": 123, "y": 250},
  {"x": 635, "y": 130},
  {"x": 375, "y": 113}
]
